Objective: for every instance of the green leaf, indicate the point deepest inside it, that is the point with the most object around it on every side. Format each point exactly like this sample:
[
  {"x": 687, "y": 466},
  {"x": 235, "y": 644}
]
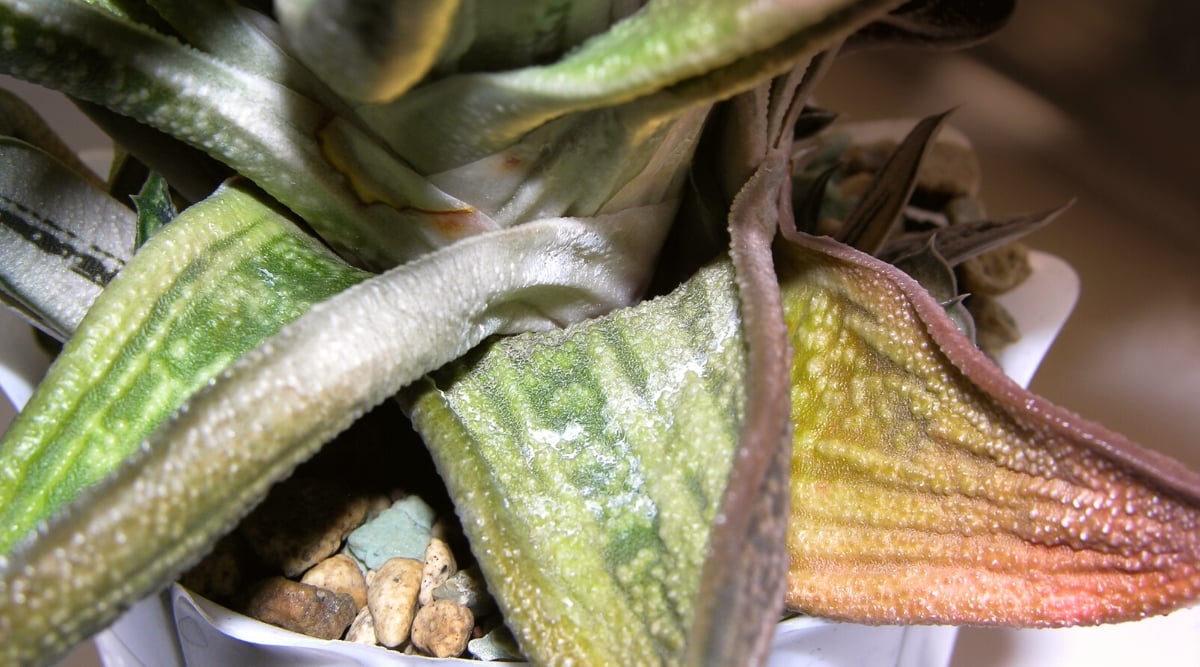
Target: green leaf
[
  {"x": 691, "y": 52},
  {"x": 587, "y": 466},
  {"x": 268, "y": 133},
  {"x": 62, "y": 239},
  {"x": 242, "y": 38},
  {"x": 154, "y": 207},
  {"x": 277, "y": 404},
  {"x": 20, "y": 121},
  {"x": 368, "y": 50},
  {"x": 224, "y": 276}
]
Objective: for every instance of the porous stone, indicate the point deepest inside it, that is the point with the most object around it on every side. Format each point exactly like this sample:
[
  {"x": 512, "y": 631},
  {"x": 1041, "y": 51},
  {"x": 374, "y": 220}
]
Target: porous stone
[
  {"x": 392, "y": 599},
  {"x": 439, "y": 566},
  {"x": 401, "y": 531},
  {"x": 339, "y": 573},
  {"x": 301, "y": 608},
  {"x": 302, "y": 522},
  {"x": 442, "y": 629}
]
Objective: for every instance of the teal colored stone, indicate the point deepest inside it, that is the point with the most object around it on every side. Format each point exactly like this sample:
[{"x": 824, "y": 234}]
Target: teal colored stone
[{"x": 401, "y": 531}]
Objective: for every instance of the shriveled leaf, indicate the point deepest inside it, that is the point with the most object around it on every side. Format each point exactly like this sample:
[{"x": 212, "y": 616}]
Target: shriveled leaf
[
  {"x": 588, "y": 465},
  {"x": 223, "y": 277},
  {"x": 927, "y": 487},
  {"x": 877, "y": 214},
  {"x": 958, "y": 243},
  {"x": 61, "y": 238}
]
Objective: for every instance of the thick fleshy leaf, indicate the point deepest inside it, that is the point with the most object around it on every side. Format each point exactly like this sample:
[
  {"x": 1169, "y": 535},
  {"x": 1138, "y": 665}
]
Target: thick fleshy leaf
[
  {"x": 493, "y": 36},
  {"x": 242, "y": 38},
  {"x": 587, "y": 466},
  {"x": 268, "y": 133},
  {"x": 218, "y": 281},
  {"x": 61, "y": 238},
  {"x": 929, "y": 488},
  {"x": 692, "y": 52},
  {"x": 203, "y": 470},
  {"x": 20, "y": 121},
  {"x": 367, "y": 50}
]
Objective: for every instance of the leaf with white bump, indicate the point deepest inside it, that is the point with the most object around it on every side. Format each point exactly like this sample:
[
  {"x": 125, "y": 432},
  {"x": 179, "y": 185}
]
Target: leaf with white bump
[
  {"x": 217, "y": 281},
  {"x": 927, "y": 487},
  {"x": 587, "y": 466},
  {"x": 62, "y": 239}
]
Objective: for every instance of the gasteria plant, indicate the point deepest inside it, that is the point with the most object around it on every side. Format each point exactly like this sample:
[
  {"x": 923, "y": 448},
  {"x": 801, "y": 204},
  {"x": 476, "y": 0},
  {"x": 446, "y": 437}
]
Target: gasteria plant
[{"x": 406, "y": 182}]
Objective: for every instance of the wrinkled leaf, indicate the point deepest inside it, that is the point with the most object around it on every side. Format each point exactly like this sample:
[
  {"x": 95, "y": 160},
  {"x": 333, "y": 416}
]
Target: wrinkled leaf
[
  {"x": 958, "y": 243},
  {"x": 929, "y": 488}
]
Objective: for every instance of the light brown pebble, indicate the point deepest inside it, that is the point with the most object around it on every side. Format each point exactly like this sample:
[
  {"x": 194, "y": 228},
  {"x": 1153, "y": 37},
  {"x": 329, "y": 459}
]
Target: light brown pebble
[
  {"x": 442, "y": 629},
  {"x": 392, "y": 599},
  {"x": 339, "y": 573},
  {"x": 301, "y": 608},
  {"x": 439, "y": 566},
  {"x": 362, "y": 630}
]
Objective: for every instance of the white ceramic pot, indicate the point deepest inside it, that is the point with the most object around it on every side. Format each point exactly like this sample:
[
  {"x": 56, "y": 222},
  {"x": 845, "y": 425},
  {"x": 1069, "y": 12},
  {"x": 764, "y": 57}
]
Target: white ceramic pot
[{"x": 176, "y": 628}]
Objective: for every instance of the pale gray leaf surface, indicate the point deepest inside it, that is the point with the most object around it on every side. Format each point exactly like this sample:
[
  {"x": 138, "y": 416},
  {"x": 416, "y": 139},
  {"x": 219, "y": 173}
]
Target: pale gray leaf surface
[{"x": 61, "y": 238}]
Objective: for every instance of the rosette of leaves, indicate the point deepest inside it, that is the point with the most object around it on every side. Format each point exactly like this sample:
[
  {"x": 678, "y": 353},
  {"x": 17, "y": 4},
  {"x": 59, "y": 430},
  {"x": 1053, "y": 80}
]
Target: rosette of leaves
[{"x": 492, "y": 168}]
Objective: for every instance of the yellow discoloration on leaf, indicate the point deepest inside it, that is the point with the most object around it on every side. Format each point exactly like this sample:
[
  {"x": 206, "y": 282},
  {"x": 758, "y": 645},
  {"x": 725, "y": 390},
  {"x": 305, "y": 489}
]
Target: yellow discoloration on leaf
[{"x": 918, "y": 497}]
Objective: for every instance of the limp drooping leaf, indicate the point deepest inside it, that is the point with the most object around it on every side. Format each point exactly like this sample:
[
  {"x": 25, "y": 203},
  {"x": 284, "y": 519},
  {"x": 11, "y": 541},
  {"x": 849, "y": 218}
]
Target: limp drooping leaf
[
  {"x": 216, "y": 282},
  {"x": 62, "y": 239},
  {"x": 202, "y": 471},
  {"x": 587, "y": 466},
  {"x": 927, "y": 487}
]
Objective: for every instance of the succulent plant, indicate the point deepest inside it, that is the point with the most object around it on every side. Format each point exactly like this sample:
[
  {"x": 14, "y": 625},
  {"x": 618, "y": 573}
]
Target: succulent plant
[{"x": 467, "y": 207}]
